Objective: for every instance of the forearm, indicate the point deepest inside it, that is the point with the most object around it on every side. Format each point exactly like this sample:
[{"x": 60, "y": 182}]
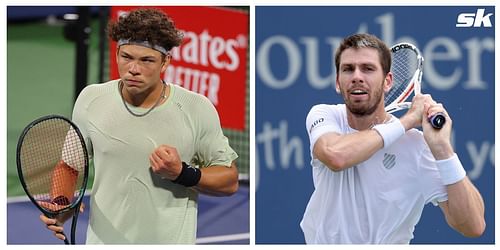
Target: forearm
[
  {"x": 465, "y": 208},
  {"x": 340, "y": 152},
  {"x": 218, "y": 180}
]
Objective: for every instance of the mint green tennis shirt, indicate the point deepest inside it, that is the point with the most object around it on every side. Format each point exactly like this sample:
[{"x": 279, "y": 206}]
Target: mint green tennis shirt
[{"x": 129, "y": 203}]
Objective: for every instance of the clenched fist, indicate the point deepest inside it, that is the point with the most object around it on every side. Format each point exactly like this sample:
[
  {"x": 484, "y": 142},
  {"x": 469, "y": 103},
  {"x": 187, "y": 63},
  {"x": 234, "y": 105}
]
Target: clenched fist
[{"x": 166, "y": 162}]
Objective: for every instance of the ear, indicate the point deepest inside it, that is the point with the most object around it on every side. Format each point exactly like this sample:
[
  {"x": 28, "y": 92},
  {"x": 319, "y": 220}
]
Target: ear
[
  {"x": 166, "y": 62},
  {"x": 117, "y": 52},
  {"x": 388, "y": 82},
  {"x": 337, "y": 84}
]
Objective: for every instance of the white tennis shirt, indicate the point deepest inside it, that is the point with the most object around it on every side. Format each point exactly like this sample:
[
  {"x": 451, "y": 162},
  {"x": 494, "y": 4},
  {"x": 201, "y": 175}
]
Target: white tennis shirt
[{"x": 378, "y": 201}]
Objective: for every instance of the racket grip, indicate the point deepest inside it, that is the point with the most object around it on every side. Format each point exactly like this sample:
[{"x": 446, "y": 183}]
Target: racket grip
[
  {"x": 437, "y": 121},
  {"x": 66, "y": 242}
]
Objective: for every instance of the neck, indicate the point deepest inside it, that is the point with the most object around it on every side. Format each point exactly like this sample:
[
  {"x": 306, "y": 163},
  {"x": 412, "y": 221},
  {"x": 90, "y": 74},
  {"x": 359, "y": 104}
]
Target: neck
[{"x": 365, "y": 122}]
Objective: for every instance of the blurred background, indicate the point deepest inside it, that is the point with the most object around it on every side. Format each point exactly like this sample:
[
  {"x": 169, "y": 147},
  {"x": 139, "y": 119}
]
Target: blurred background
[
  {"x": 53, "y": 52},
  {"x": 295, "y": 70}
]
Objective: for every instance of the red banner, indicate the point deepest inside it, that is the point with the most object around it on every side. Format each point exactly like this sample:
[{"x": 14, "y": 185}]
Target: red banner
[{"x": 212, "y": 59}]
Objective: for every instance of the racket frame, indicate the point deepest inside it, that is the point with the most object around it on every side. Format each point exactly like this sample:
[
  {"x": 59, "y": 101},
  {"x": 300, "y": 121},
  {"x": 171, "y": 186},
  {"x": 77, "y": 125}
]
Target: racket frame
[
  {"x": 400, "y": 102},
  {"x": 74, "y": 205}
]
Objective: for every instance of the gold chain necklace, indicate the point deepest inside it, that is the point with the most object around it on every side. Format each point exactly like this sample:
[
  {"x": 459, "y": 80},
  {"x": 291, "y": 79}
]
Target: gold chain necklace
[{"x": 120, "y": 86}]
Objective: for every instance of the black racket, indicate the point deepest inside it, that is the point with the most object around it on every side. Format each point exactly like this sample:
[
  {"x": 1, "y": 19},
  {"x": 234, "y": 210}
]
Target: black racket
[
  {"x": 407, "y": 70},
  {"x": 52, "y": 163}
]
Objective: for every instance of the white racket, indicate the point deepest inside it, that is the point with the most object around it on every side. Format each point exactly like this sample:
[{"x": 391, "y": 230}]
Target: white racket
[{"x": 407, "y": 70}]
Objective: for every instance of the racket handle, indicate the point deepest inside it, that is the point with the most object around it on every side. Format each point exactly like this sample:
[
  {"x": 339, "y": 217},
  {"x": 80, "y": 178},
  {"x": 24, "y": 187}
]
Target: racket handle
[
  {"x": 66, "y": 242},
  {"x": 438, "y": 120}
]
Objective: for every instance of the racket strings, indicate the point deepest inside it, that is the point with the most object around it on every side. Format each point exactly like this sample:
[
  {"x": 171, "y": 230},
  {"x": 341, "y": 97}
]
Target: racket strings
[
  {"x": 52, "y": 159},
  {"x": 404, "y": 65}
]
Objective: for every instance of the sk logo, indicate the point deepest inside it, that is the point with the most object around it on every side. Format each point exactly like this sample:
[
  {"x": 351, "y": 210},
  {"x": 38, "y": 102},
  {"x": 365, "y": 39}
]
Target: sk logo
[
  {"x": 478, "y": 19},
  {"x": 389, "y": 160}
]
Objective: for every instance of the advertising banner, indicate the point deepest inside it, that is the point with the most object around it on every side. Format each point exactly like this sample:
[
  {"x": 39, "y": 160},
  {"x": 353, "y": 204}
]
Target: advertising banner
[{"x": 212, "y": 60}]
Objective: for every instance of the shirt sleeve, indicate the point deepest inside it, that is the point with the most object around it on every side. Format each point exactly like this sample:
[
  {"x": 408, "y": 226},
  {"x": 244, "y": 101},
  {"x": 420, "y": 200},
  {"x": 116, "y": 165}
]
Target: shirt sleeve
[
  {"x": 320, "y": 120},
  {"x": 212, "y": 147},
  {"x": 430, "y": 181},
  {"x": 80, "y": 118}
]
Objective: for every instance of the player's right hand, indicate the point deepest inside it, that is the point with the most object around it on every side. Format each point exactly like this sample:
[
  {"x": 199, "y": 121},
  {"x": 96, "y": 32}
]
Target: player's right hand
[
  {"x": 56, "y": 224},
  {"x": 413, "y": 117}
]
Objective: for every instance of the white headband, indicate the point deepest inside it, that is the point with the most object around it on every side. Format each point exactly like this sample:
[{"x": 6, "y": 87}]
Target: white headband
[{"x": 144, "y": 44}]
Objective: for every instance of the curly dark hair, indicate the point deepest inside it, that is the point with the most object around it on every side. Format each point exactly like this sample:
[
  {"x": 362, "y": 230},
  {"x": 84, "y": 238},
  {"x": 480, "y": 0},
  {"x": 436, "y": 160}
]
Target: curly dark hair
[{"x": 147, "y": 24}]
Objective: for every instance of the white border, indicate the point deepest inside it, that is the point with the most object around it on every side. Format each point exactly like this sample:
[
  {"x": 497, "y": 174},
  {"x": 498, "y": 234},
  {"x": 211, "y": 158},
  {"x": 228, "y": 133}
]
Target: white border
[
  {"x": 252, "y": 124},
  {"x": 252, "y": 4}
]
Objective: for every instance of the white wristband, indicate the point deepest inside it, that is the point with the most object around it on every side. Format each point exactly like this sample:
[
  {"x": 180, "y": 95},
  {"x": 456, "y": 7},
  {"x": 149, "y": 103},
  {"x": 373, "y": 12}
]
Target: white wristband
[
  {"x": 451, "y": 170},
  {"x": 390, "y": 132}
]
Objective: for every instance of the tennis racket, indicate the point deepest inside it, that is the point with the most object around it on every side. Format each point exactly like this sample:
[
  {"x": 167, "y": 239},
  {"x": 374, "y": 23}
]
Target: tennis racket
[
  {"x": 407, "y": 70},
  {"x": 52, "y": 163}
]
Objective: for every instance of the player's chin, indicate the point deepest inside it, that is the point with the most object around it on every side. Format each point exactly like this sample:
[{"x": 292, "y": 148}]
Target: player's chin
[
  {"x": 134, "y": 89},
  {"x": 361, "y": 108}
]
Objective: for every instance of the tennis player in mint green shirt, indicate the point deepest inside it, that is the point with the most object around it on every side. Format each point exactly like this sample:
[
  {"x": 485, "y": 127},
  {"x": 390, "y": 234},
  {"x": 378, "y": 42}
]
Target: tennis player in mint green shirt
[{"x": 155, "y": 145}]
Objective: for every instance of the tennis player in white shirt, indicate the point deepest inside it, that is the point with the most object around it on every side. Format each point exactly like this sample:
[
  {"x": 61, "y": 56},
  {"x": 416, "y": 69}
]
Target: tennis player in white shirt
[{"x": 373, "y": 173}]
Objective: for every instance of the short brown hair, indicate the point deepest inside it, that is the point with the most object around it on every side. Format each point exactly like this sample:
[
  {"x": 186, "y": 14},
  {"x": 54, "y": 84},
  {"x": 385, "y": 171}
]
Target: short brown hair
[
  {"x": 151, "y": 25},
  {"x": 365, "y": 41}
]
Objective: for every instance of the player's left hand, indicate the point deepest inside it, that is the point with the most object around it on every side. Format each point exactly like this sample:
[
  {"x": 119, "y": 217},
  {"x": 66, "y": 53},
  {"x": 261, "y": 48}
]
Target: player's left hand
[
  {"x": 439, "y": 140},
  {"x": 166, "y": 162}
]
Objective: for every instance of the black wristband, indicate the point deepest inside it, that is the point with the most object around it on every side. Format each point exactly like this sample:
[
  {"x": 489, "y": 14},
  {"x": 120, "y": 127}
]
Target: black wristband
[{"x": 190, "y": 176}]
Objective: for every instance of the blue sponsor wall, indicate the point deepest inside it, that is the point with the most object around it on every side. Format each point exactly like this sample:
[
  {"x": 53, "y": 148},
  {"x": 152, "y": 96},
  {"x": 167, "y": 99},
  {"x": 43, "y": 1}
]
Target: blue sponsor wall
[{"x": 295, "y": 70}]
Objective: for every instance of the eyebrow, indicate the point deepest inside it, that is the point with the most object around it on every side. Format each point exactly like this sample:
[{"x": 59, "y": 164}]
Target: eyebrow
[
  {"x": 141, "y": 57},
  {"x": 360, "y": 64}
]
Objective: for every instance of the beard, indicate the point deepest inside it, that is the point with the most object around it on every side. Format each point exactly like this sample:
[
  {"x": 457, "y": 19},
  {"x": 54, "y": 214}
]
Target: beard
[{"x": 364, "y": 108}]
